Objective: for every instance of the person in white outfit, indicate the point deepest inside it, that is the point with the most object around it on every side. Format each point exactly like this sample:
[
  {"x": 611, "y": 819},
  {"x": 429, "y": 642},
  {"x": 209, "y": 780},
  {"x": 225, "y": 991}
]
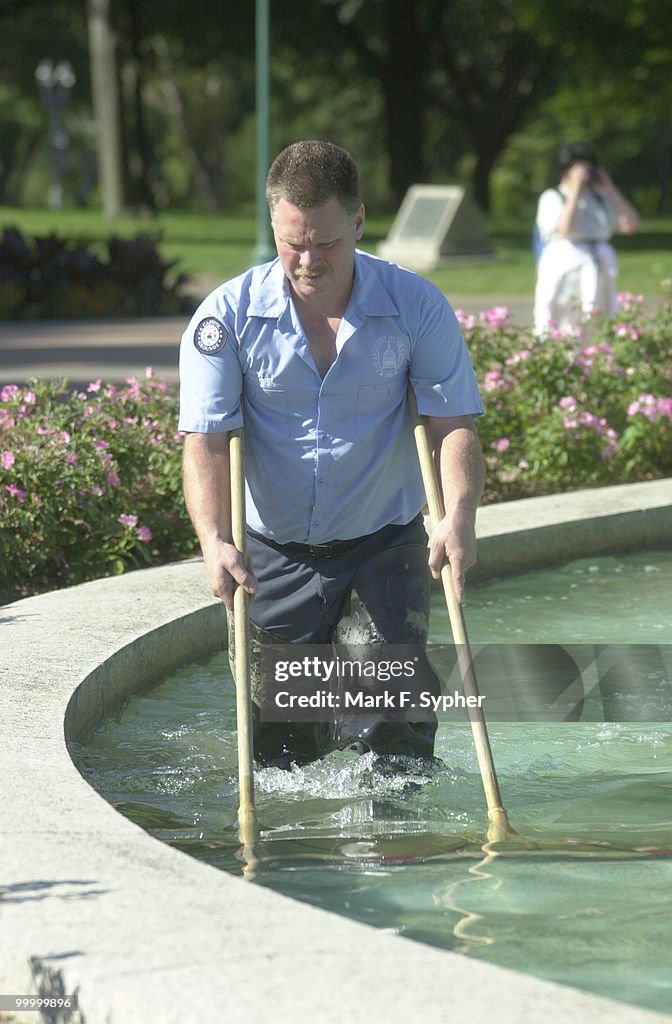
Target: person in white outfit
[{"x": 576, "y": 272}]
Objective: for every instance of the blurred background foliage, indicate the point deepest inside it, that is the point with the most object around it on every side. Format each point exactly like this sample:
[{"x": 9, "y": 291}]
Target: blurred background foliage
[{"x": 479, "y": 92}]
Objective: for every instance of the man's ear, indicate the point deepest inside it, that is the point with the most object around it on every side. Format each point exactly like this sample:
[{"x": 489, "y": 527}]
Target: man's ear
[{"x": 359, "y": 222}]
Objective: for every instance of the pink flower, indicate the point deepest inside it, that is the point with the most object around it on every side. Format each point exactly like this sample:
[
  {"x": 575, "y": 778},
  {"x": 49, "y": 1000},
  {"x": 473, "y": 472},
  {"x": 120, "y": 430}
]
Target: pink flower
[
  {"x": 8, "y": 460},
  {"x": 495, "y": 317},
  {"x": 568, "y": 403},
  {"x": 149, "y": 373},
  {"x": 501, "y": 445},
  {"x": 128, "y": 520},
  {"x": 30, "y": 398},
  {"x": 493, "y": 380},
  {"x": 95, "y": 385},
  {"x": 518, "y": 357},
  {"x": 101, "y": 444},
  {"x": 647, "y": 405},
  {"x": 465, "y": 320},
  {"x": 113, "y": 478},
  {"x": 593, "y": 350},
  {"x": 16, "y": 492},
  {"x": 665, "y": 407},
  {"x": 628, "y": 301},
  {"x": 8, "y": 392},
  {"x": 558, "y": 333},
  {"x": 144, "y": 533}
]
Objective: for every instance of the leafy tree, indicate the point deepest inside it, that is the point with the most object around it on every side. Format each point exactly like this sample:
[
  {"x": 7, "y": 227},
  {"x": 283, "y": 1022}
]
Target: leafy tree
[
  {"x": 418, "y": 91},
  {"x": 31, "y": 32}
]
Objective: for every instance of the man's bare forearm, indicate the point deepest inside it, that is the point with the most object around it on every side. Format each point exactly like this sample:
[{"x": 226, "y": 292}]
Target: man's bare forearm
[
  {"x": 459, "y": 462},
  {"x": 207, "y": 485},
  {"x": 207, "y": 492},
  {"x": 461, "y": 473}
]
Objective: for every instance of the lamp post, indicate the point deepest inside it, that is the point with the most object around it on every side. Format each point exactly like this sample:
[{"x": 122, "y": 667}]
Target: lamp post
[
  {"x": 264, "y": 249},
  {"x": 55, "y": 82}
]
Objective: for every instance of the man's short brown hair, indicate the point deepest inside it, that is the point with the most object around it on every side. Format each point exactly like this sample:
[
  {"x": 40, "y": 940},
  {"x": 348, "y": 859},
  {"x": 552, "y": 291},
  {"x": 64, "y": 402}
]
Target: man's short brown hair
[{"x": 310, "y": 173}]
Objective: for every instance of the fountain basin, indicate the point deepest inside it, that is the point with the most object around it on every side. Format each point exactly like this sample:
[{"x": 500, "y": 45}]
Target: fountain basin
[{"x": 93, "y": 905}]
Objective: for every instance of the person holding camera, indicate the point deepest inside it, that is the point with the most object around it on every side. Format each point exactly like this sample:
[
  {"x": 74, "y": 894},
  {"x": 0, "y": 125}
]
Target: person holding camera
[{"x": 577, "y": 269}]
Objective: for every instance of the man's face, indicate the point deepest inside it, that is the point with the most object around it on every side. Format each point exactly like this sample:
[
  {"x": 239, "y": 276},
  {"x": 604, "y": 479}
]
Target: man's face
[{"x": 317, "y": 250}]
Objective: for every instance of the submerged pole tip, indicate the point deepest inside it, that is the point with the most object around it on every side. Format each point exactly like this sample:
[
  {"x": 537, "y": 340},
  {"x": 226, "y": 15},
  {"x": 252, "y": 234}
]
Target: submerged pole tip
[{"x": 499, "y": 829}]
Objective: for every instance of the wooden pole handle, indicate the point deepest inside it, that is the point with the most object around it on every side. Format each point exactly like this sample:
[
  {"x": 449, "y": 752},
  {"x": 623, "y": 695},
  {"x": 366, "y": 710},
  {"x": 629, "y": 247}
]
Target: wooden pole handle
[
  {"x": 499, "y": 827},
  {"x": 247, "y": 821}
]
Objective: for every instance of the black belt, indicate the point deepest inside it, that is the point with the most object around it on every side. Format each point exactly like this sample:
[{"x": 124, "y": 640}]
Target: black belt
[{"x": 335, "y": 547}]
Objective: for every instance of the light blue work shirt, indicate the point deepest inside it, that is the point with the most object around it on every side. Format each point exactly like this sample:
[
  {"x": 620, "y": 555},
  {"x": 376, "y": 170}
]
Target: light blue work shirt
[{"x": 334, "y": 458}]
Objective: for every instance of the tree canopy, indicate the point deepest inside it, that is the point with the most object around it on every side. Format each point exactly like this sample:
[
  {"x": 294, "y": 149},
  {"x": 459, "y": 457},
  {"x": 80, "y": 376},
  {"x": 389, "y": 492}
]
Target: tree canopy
[{"x": 476, "y": 91}]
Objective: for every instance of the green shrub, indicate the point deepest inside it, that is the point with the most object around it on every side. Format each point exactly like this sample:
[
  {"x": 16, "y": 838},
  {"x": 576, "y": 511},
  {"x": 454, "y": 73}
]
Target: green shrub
[
  {"x": 589, "y": 408},
  {"x": 90, "y": 482},
  {"x": 51, "y": 278}
]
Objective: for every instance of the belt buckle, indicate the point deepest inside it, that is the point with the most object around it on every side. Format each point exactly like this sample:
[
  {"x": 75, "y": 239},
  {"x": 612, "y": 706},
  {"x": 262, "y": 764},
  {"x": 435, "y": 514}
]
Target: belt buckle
[{"x": 318, "y": 550}]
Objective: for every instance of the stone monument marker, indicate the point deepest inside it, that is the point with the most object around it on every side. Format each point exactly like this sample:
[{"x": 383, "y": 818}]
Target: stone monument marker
[{"x": 437, "y": 225}]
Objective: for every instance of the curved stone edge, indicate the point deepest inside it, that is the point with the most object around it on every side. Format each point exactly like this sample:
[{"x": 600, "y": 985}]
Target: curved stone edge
[
  {"x": 90, "y": 903},
  {"x": 517, "y": 535}
]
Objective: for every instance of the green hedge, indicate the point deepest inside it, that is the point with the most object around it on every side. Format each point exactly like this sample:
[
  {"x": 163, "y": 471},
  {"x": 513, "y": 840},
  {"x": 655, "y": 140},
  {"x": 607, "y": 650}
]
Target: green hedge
[
  {"x": 48, "y": 277},
  {"x": 90, "y": 482},
  {"x": 581, "y": 409}
]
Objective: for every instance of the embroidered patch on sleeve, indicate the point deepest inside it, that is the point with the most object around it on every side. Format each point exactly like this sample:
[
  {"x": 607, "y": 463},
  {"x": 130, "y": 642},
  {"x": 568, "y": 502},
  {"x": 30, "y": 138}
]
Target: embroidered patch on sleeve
[{"x": 210, "y": 336}]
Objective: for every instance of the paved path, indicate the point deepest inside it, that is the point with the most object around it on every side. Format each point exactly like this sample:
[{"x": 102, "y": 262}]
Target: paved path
[
  {"x": 113, "y": 350},
  {"x": 83, "y": 351}
]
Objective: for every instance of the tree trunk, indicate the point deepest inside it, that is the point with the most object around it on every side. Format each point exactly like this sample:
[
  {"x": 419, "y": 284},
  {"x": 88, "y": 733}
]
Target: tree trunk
[
  {"x": 403, "y": 76},
  {"x": 105, "y": 96},
  {"x": 485, "y": 161}
]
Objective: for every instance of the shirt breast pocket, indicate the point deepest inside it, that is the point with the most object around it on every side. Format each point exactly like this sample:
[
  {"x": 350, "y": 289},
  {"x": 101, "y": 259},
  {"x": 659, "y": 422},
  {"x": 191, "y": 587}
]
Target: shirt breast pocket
[
  {"x": 379, "y": 409},
  {"x": 268, "y": 408}
]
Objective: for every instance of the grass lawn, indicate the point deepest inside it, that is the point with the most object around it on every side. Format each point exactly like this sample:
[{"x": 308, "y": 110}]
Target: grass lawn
[{"x": 214, "y": 247}]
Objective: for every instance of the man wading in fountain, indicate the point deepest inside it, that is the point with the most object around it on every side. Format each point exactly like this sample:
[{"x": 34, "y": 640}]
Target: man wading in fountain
[{"x": 314, "y": 352}]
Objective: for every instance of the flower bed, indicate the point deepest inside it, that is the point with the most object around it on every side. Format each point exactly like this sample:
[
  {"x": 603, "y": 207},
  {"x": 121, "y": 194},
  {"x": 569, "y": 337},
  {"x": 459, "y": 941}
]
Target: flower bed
[
  {"x": 90, "y": 482},
  {"x": 589, "y": 408}
]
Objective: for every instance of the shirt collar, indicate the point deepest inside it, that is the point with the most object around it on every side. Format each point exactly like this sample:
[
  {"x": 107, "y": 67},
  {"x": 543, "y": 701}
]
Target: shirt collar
[
  {"x": 369, "y": 295},
  {"x": 270, "y": 293}
]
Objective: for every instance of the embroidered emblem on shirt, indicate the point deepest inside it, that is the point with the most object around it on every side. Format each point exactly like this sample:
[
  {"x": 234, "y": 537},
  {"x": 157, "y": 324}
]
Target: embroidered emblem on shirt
[
  {"x": 210, "y": 336},
  {"x": 388, "y": 356}
]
